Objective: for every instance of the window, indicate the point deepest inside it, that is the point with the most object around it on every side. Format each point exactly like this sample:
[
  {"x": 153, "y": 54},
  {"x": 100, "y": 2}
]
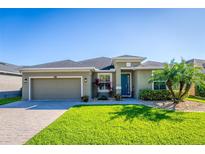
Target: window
[
  {"x": 105, "y": 82},
  {"x": 159, "y": 85},
  {"x": 128, "y": 64}
]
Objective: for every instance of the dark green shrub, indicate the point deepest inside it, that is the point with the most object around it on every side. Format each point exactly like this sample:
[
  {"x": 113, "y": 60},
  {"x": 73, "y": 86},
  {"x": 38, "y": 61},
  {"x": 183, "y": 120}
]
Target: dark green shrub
[
  {"x": 200, "y": 91},
  {"x": 103, "y": 97},
  {"x": 154, "y": 95},
  {"x": 118, "y": 97},
  {"x": 85, "y": 98}
]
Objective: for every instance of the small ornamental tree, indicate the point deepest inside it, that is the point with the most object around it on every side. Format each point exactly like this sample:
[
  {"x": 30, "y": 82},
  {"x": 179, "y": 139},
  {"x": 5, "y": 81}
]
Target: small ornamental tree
[{"x": 179, "y": 77}]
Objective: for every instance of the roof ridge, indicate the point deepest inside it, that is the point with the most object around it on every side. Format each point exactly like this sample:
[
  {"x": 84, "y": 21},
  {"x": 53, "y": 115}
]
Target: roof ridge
[
  {"x": 129, "y": 56},
  {"x": 56, "y": 62},
  {"x": 94, "y": 58},
  {"x": 6, "y": 63}
]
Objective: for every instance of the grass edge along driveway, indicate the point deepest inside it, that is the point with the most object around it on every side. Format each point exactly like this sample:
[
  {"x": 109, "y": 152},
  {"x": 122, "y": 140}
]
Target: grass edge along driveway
[
  {"x": 123, "y": 124},
  {"x": 196, "y": 99},
  {"x": 9, "y": 100}
]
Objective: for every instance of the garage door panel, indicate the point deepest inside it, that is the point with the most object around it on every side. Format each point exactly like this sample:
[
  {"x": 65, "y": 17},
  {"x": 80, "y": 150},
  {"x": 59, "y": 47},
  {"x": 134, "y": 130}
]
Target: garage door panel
[{"x": 50, "y": 89}]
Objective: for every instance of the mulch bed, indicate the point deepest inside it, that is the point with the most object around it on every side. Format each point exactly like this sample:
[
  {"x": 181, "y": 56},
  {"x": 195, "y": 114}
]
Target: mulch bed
[{"x": 186, "y": 106}]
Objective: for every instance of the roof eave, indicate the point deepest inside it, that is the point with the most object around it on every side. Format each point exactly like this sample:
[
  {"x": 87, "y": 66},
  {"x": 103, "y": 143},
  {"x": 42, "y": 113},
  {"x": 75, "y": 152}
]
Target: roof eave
[
  {"x": 57, "y": 69},
  {"x": 12, "y": 73},
  {"x": 141, "y": 68},
  {"x": 148, "y": 68},
  {"x": 99, "y": 71}
]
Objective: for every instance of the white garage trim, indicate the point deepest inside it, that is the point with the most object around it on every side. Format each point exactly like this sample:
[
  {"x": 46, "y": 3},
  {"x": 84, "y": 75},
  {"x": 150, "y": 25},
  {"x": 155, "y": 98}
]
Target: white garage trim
[{"x": 58, "y": 77}]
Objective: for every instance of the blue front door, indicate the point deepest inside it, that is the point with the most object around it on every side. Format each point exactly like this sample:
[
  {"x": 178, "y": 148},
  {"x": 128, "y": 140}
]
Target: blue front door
[{"x": 125, "y": 84}]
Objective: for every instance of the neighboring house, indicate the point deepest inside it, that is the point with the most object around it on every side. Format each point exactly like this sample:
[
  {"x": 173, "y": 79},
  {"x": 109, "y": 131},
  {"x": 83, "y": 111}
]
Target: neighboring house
[
  {"x": 124, "y": 75},
  {"x": 196, "y": 63},
  {"x": 10, "y": 80}
]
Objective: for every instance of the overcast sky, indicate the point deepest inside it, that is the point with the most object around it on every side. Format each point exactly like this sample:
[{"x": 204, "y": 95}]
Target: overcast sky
[{"x": 32, "y": 36}]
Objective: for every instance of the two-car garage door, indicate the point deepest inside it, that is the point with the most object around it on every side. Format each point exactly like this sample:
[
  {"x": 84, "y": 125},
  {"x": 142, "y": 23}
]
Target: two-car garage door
[{"x": 55, "y": 88}]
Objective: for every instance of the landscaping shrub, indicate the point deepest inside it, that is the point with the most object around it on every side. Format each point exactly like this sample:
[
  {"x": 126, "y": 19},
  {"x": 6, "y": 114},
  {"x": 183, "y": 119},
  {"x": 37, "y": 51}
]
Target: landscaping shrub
[
  {"x": 118, "y": 97},
  {"x": 85, "y": 98},
  {"x": 200, "y": 91},
  {"x": 148, "y": 94},
  {"x": 103, "y": 97}
]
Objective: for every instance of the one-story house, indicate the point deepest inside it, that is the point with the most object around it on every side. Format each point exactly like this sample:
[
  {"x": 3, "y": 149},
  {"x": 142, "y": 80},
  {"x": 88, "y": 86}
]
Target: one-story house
[
  {"x": 124, "y": 75},
  {"x": 10, "y": 80}
]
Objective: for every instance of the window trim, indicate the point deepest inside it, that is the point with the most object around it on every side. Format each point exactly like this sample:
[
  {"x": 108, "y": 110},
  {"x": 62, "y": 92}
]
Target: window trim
[
  {"x": 110, "y": 74},
  {"x": 158, "y": 81}
]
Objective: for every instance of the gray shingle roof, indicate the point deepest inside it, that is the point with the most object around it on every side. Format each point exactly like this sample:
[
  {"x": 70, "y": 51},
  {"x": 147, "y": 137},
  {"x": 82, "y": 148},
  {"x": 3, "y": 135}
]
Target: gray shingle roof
[
  {"x": 103, "y": 63},
  {"x": 99, "y": 62},
  {"x": 58, "y": 64},
  {"x": 198, "y": 62},
  {"x": 6, "y": 67},
  {"x": 151, "y": 64},
  {"x": 130, "y": 56}
]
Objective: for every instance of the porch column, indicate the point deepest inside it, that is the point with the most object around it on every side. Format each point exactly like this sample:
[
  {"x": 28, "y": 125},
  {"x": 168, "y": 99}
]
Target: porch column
[{"x": 118, "y": 81}]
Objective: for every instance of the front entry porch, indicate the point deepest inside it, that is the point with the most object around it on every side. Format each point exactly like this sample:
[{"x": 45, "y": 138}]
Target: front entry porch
[{"x": 121, "y": 82}]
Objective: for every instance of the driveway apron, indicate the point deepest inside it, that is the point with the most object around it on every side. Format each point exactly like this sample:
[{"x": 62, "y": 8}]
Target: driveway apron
[{"x": 20, "y": 121}]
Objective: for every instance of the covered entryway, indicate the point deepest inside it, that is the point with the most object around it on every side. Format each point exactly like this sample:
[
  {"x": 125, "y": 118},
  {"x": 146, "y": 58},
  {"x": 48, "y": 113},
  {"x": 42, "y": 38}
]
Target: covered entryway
[{"x": 55, "y": 88}]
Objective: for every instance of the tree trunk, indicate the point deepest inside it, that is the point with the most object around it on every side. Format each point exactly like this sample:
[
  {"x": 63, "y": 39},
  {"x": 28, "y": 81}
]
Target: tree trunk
[
  {"x": 169, "y": 85},
  {"x": 181, "y": 84},
  {"x": 187, "y": 88}
]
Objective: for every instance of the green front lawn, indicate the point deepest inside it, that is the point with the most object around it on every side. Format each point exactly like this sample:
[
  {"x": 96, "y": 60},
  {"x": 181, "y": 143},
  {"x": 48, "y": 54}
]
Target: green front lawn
[
  {"x": 9, "y": 100},
  {"x": 196, "y": 99},
  {"x": 123, "y": 124}
]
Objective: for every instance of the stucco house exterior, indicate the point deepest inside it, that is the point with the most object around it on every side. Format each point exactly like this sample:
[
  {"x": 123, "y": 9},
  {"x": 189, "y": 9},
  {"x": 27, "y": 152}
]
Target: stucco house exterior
[
  {"x": 10, "y": 80},
  {"x": 124, "y": 75},
  {"x": 196, "y": 63}
]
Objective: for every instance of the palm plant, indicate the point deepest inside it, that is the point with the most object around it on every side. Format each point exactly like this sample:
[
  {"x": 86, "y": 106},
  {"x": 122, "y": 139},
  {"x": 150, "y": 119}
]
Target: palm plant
[{"x": 180, "y": 76}]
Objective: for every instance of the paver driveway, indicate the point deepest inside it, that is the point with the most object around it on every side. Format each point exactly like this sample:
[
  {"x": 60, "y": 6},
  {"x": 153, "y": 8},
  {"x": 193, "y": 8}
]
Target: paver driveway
[{"x": 21, "y": 120}]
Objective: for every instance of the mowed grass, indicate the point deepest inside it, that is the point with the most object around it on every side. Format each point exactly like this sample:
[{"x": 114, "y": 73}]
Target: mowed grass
[
  {"x": 123, "y": 124},
  {"x": 9, "y": 100},
  {"x": 196, "y": 99}
]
